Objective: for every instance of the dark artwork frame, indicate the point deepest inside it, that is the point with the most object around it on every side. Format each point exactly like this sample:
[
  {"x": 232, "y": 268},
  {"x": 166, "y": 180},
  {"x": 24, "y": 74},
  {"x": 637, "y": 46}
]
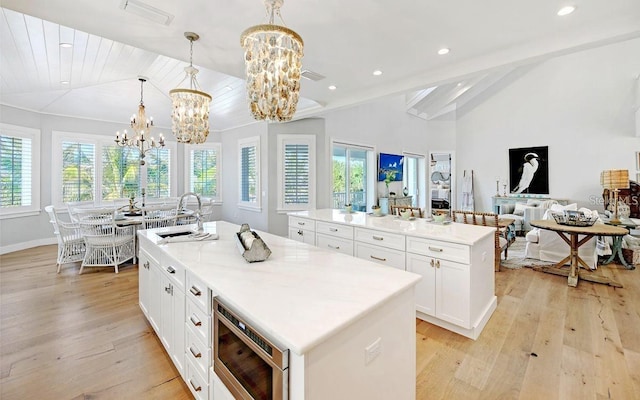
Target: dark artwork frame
[
  {"x": 521, "y": 159},
  {"x": 390, "y": 163}
]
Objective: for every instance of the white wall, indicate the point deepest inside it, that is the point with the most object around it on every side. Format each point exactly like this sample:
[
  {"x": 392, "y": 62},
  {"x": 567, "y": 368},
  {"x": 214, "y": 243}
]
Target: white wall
[{"x": 581, "y": 105}]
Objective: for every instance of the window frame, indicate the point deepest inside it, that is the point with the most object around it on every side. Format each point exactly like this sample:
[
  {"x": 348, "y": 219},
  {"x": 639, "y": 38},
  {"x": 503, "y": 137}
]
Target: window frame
[
  {"x": 371, "y": 171},
  {"x": 187, "y": 168},
  {"x": 256, "y": 206},
  {"x": 296, "y": 139},
  {"x": 35, "y": 136},
  {"x": 100, "y": 142}
]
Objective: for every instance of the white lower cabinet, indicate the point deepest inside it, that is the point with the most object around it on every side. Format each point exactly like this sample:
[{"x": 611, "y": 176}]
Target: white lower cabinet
[
  {"x": 344, "y": 246},
  {"x": 381, "y": 255},
  {"x": 197, "y": 345},
  {"x": 149, "y": 283},
  {"x": 302, "y": 230},
  {"x": 172, "y": 329},
  {"x": 443, "y": 291}
]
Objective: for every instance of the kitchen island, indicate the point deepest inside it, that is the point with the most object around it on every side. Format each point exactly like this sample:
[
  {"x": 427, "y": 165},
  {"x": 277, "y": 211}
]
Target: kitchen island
[
  {"x": 456, "y": 261},
  {"x": 349, "y": 324}
]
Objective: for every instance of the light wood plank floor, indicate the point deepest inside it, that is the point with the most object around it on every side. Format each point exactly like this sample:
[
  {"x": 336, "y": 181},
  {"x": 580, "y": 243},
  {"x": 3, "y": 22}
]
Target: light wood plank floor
[{"x": 84, "y": 337}]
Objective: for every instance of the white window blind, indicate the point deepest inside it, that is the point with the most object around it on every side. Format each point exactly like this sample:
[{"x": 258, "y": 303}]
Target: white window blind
[
  {"x": 120, "y": 172},
  {"x": 16, "y": 170},
  {"x": 78, "y": 171},
  {"x": 249, "y": 173},
  {"x": 19, "y": 171},
  {"x": 203, "y": 177},
  {"x": 296, "y": 172},
  {"x": 158, "y": 163}
]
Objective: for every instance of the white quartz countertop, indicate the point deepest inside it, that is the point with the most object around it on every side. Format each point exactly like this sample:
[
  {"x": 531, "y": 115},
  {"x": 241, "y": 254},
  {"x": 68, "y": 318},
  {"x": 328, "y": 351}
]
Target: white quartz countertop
[
  {"x": 453, "y": 232},
  {"x": 299, "y": 296}
]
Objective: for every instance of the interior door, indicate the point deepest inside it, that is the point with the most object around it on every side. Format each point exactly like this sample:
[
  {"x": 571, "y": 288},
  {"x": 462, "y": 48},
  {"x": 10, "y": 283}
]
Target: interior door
[{"x": 441, "y": 179}]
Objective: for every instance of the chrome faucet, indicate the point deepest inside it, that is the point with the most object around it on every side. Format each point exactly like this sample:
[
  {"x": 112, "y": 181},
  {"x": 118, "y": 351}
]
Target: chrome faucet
[{"x": 199, "y": 228}]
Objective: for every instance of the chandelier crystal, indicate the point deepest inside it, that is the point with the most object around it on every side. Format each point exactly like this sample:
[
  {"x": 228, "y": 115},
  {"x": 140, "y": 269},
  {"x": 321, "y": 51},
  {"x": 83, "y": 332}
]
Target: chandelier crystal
[
  {"x": 190, "y": 107},
  {"x": 273, "y": 60},
  {"x": 141, "y": 126}
]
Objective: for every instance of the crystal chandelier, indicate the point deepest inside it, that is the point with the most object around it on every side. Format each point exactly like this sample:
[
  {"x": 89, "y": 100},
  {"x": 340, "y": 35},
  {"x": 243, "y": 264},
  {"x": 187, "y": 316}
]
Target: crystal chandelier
[
  {"x": 142, "y": 129},
  {"x": 190, "y": 115},
  {"x": 273, "y": 58}
]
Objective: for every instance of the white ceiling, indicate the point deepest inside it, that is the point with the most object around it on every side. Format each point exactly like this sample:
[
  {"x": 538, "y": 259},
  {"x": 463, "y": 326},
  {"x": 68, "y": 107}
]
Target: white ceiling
[{"x": 345, "y": 41}]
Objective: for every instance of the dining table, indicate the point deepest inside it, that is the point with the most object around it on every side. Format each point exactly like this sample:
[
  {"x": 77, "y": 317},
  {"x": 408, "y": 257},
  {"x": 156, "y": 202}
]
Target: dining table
[{"x": 570, "y": 234}]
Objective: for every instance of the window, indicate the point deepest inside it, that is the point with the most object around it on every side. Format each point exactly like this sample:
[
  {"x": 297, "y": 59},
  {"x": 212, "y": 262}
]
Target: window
[
  {"x": 19, "y": 171},
  {"x": 249, "y": 153},
  {"x": 354, "y": 174},
  {"x": 158, "y": 173},
  {"x": 78, "y": 171},
  {"x": 204, "y": 171},
  {"x": 413, "y": 178},
  {"x": 296, "y": 172},
  {"x": 91, "y": 168}
]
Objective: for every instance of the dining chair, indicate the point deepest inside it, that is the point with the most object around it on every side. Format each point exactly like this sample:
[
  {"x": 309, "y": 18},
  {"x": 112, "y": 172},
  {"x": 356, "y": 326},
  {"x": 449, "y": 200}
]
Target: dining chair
[
  {"x": 107, "y": 244},
  {"x": 73, "y": 205},
  {"x": 158, "y": 216},
  {"x": 71, "y": 245},
  {"x": 415, "y": 211},
  {"x": 501, "y": 244}
]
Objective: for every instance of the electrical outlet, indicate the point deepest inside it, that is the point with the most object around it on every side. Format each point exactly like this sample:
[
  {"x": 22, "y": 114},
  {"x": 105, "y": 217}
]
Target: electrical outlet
[{"x": 372, "y": 351}]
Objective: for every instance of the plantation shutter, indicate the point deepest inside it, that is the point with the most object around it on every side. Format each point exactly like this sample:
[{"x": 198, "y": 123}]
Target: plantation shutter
[
  {"x": 120, "y": 172},
  {"x": 296, "y": 174},
  {"x": 158, "y": 164},
  {"x": 248, "y": 174},
  {"x": 204, "y": 174},
  {"x": 15, "y": 171},
  {"x": 78, "y": 171}
]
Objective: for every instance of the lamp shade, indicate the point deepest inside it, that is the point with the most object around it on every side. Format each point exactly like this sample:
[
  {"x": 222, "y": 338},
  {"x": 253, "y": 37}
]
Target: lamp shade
[{"x": 615, "y": 179}]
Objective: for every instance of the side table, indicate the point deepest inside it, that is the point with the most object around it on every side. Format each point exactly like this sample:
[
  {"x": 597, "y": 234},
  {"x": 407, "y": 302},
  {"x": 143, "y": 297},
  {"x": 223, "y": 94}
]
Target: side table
[{"x": 616, "y": 248}]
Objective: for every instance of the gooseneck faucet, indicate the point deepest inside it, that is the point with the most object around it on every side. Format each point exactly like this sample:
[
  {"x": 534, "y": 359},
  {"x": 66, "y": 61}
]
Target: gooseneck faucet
[{"x": 199, "y": 228}]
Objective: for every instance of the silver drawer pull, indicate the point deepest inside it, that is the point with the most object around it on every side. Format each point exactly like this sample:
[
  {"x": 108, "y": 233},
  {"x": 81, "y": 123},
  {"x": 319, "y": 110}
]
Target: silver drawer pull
[
  {"x": 300, "y": 232},
  {"x": 195, "y": 291},
  {"x": 437, "y": 263},
  {"x": 378, "y": 258},
  {"x": 171, "y": 270},
  {"x": 146, "y": 264},
  {"x": 301, "y": 223},
  {"x": 195, "y": 321},
  {"x": 333, "y": 247},
  {"x": 333, "y": 230},
  {"x": 432, "y": 263},
  {"x": 438, "y": 249},
  {"x": 378, "y": 238},
  {"x": 195, "y": 353},
  {"x": 197, "y": 389}
]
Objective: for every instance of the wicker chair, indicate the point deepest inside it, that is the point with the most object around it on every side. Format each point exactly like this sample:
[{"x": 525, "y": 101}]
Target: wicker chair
[
  {"x": 107, "y": 244},
  {"x": 415, "y": 211},
  {"x": 71, "y": 245},
  {"x": 487, "y": 219},
  {"x": 158, "y": 216}
]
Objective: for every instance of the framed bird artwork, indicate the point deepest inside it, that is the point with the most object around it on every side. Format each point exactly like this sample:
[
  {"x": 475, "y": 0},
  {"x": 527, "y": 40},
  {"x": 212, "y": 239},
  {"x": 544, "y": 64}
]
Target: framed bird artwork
[{"x": 529, "y": 170}]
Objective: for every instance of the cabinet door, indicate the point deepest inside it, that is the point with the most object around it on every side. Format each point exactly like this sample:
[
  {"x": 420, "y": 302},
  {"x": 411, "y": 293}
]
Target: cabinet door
[
  {"x": 166, "y": 320},
  {"x": 153, "y": 304},
  {"x": 452, "y": 292},
  {"x": 172, "y": 322},
  {"x": 426, "y": 287},
  {"x": 177, "y": 354},
  {"x": 144, "y": 280},
  {"x": 302, "y": 235}
]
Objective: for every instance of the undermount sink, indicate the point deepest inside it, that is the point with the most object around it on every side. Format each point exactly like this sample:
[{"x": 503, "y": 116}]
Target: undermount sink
[{"x": 174, "y": 234}]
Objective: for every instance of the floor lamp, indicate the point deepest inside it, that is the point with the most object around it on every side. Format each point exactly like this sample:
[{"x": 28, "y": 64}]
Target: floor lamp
[{"x": 614, "y": 180}]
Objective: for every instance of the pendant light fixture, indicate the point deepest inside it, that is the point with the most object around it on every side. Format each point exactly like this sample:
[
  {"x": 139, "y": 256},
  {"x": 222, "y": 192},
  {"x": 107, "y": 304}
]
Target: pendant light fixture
[
  {"x": 273, "y": 60},
  {"x": 190, "y": 107},
  {"x": 141, "y": 126}
]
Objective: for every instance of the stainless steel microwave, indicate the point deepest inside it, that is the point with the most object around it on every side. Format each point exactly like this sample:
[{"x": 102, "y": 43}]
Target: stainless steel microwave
[{"x": 249, "y": 364}]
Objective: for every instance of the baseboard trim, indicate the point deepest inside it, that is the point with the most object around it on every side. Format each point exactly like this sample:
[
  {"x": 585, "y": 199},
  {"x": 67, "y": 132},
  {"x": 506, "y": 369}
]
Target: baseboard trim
[{"x": 27, "y": 245}]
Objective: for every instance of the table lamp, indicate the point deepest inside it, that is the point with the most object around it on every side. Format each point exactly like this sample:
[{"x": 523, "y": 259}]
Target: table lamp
[{"x": 614, "y": 180}]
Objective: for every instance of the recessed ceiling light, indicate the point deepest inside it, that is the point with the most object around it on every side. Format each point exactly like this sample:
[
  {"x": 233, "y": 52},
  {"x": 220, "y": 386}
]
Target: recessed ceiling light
[
  {"x": 444, "y": 51},
  {"x": 229, "y": 88},
  {"x": 66, "y": 45},
  {"x": 566, "y": 10},
  {"x": 333, "y": 87},
  {"x": 64, "y": 82},
  {"x": 377, "y": 72}
]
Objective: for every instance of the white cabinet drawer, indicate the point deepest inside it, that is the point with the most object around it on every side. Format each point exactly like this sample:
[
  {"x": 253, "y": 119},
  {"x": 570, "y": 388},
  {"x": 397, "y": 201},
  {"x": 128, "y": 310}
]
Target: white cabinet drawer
[
  {"x": 344, "y": 246},
  {"x": 435, "y": 248},
  {"x": 198, "y": 292},
  {"x": 302, "y": 235},
  {"x": 381, "y": 255},
  {"x": 198, "y": 353},
  {"x": 198, "y": 321},
  {"x": 302, "y": 223},
  {"x": 378, "y": 238},
  {"x": 337, "y": 230},
  {"x": 198, "y": 385},
  {"x": 174, "y": 270}
]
